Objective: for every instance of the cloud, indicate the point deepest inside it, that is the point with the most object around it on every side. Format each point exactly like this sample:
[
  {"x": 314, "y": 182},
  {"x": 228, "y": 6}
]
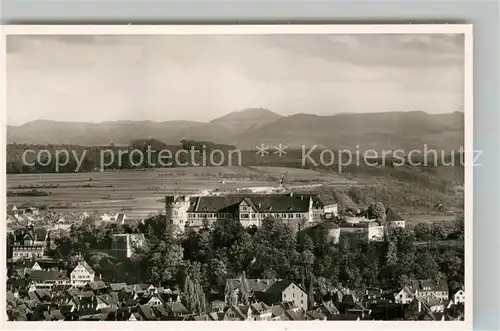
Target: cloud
[{"x": 195, "y": 77}]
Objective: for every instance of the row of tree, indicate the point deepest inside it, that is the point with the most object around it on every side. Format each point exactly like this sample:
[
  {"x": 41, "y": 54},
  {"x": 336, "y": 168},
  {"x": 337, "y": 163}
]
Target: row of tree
[{"x": 200, "y": 262}]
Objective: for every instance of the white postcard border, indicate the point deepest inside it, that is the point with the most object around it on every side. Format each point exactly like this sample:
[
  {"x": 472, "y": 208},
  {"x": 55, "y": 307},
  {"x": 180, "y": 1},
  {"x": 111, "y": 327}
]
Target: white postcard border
[{"x": 465, "y": 29}]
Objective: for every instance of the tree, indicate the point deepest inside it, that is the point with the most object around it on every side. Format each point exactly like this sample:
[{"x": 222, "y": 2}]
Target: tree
[
  {"x": 241, "y": 253},
  {"x": 391, "y": 264},
  {"x": 216, "y": 273},
  {"x": 377, "y": 211},
  {"x": 310, "y": 297},
  {"x": 231, "y": 298},
  {"x": 245, "y": 290},
  {"x": 425, "y": 266},
  {"x": 161, "y": 258},
  {"x": 438, "y": 231},
  {"x": 422, "y": 232}
]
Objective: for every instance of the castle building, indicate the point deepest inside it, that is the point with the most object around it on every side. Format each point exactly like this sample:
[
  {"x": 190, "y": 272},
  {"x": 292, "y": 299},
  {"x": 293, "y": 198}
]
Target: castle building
[
  {"x": 298, "y": 209},
  {"x": 124, "y": 244}
]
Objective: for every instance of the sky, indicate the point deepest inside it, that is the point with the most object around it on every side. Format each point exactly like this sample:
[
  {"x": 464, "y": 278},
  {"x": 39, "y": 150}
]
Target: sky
[{"x": 96, "y": 78}]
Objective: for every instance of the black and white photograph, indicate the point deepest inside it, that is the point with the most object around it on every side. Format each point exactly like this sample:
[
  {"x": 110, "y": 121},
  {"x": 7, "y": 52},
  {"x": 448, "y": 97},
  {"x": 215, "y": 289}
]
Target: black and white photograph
[{"x": 239, "y": 173}]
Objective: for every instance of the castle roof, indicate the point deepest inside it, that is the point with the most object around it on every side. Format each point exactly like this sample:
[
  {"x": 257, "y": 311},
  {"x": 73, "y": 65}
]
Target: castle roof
[{"x": 271, "y": 203}]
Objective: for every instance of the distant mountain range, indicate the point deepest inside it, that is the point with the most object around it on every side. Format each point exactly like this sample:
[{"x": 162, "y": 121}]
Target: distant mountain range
[{"x": 254, "y": 126}]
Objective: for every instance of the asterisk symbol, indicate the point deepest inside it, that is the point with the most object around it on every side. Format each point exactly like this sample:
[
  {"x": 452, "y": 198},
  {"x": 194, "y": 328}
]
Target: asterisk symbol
[
  {"x": 262, "y": 150},
  {"x": 280, "y": 150}
]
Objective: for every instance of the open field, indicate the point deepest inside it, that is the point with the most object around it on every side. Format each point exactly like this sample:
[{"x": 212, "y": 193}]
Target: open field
[
  {"x": 139, "y": 191},
  {"x": 431, "y": 219}
]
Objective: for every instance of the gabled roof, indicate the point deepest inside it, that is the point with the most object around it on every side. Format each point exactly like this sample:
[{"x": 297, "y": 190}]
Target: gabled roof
[
  {"x": 97, "y": 285},
  {"x": 107, "y": 299},
  {"x": 317, "y": 314},
  {"x": 213, "y": 316},
  {"x": 87, "y": 267},
  {"x": 85, "y": 294},
  {"x": 201, "y": 317},
  {"x": 176, "y": 308},
  {"x": 329, "y": 308},
  {"x": 117, "y": 286},
  {"x": 260, "y": 307},
  {"x": 146, "y": 312},
  {"x": 294, "y": 315},
  {"x": 345, "y": 317},
  {"x": 160, "y": 311},
  {"x": 407, "y": 290},
  {"x": 237, "y": 310},
  {"x": 280, "y": 286},
  {"x": 73, "y": 291},
  {"x": 141, "y": 287}
]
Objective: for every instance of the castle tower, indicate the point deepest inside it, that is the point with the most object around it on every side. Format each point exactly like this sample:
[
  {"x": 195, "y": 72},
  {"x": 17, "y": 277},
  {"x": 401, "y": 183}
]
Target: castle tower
[{"x": 176, "y": 207}]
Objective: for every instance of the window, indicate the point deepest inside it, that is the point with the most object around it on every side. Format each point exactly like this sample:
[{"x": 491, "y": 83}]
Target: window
[
  {"x": 283, "y": 215},
  {"x": 297, "y": 215},
  {"x": 244, "y": 215},
  {"x": 302, "y": 301}
]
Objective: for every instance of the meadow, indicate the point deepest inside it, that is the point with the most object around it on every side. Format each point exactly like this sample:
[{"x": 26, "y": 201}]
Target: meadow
[{"x": 139, "y": 192}]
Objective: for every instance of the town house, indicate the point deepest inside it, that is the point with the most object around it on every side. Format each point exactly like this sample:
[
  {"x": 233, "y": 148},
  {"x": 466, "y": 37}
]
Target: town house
[
  {"x": 459, "y": 297},
  {"x": 82, "y": 274},
  {"x": 284, "y": 291},
  {"x": 428, "y": 287},
  {"x": 29, "y": 243}
]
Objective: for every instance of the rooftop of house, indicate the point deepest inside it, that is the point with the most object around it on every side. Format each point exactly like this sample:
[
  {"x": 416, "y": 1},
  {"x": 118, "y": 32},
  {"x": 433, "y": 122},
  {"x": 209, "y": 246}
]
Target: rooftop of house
[
  {"x": 96, "y": 285},
  {"x": 40, "y": 275},
  {"x": 430, "y": 285},
  {"x": 255, "y": 285},
  {"x": 279, "y": 286},
  {"x": 33, "y": 233},
  {"x": 87, "y": 267}
]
